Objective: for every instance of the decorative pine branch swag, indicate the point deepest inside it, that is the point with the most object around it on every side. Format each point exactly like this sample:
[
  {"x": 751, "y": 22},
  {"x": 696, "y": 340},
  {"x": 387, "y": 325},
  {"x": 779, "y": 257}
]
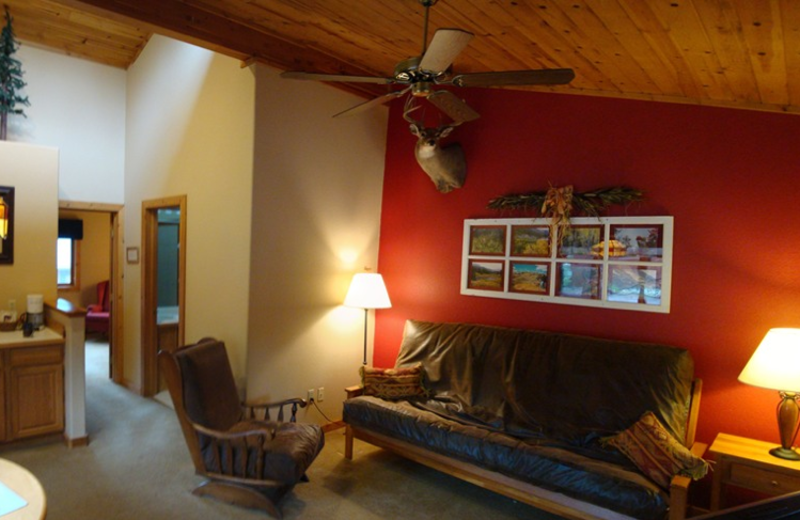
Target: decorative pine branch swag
[{"x": 558, "y": 204}]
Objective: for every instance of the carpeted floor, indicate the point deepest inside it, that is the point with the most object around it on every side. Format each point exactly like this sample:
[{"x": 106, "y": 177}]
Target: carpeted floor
[{"x": 137, "y": 467}]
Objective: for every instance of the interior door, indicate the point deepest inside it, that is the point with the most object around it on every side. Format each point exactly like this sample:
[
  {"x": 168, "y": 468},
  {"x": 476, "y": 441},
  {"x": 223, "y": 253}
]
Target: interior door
[{"x": 163, "y": 284}]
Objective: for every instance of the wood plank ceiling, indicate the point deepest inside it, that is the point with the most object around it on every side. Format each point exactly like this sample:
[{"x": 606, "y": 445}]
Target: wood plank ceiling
[{"x": 734, "y": 53}]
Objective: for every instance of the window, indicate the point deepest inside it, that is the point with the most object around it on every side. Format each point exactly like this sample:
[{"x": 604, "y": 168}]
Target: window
[
  {"x": 70, "y": 231},
  {"x": 67, "y": 263}
]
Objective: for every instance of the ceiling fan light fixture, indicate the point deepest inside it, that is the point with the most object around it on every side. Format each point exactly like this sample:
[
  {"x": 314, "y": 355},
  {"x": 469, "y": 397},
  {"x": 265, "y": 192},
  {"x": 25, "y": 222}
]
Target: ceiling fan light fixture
[
  {"x": 422, "y": 89},
  {"x": 406, "y": 70},
  {"x": 434, "y": 67}
]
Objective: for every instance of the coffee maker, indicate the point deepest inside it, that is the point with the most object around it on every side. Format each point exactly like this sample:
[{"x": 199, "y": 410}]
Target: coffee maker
[{"x": 35, "y": 314}]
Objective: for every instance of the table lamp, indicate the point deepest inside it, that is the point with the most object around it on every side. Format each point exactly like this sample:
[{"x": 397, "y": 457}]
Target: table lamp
[
  {"x": 776, "y": 365},
  {"x": 367, "y": 291}
]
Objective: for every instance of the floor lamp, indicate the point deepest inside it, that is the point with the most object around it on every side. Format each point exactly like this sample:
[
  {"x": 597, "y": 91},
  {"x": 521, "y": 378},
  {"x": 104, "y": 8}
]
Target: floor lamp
[{"x": 367, "y": 291}]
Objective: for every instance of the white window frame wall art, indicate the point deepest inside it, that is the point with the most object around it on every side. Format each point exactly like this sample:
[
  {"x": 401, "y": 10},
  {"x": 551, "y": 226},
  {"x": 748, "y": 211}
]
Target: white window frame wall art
[{"x": 523, "y": 259}]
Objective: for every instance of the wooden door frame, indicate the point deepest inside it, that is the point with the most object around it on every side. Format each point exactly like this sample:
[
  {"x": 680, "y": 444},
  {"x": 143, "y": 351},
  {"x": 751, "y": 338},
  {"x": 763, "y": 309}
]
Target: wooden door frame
[
  {"x": 116, "y": 298},
  {"x": 149, "y": 383}
]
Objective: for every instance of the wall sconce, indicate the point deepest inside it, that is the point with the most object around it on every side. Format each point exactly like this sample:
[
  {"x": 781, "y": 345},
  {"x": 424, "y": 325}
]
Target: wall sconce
[
  {"x": 776, "y": 365},
  {"x": 367, "y": 291}
]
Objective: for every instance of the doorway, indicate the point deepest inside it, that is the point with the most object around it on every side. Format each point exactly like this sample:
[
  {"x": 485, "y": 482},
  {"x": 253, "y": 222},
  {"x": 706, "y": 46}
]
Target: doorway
[
  {"x": 115, "y": 213},
  {"x": 163, "y": 284}
]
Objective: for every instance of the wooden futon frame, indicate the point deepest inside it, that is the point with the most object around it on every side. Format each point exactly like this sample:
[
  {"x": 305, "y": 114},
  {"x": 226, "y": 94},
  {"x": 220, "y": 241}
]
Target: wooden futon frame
[{"x": 538, "y": 497}]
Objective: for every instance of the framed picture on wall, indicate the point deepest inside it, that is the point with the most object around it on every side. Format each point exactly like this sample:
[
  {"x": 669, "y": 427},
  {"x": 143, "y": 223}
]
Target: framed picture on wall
[
  {"x": 6, "y": 225},
  {"x": 132, "y": 255},
  {"x": 486, "y": 275},
  {"x": 530, "y": 241},
  {"x": 488, "y": 240},
  {"x": 579, "y": 240},
  {"x": 642, "y": 243},
  {"x": 634, "y": 284},
  {"x": 578, "y": 280},
  {"x": 612, "y": 262},
  {"x": 530, "y": 277}
]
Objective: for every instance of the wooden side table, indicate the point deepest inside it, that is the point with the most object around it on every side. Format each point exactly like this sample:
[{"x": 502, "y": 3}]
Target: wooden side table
[{"x": 747, "y": 463}]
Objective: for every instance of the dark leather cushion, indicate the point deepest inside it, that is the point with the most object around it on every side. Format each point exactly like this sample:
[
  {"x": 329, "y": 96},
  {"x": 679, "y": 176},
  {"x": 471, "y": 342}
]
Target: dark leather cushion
[
  {"x": 290, "y": 448},
  {"x": 209, "y": 389},
  {"x": 605, "y": 479},
  {"x": 565, "y": 386}
]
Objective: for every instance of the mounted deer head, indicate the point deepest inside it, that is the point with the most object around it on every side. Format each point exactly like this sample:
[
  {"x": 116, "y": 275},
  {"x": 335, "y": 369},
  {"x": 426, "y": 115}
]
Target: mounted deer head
[{"x": 446, "y": 165}]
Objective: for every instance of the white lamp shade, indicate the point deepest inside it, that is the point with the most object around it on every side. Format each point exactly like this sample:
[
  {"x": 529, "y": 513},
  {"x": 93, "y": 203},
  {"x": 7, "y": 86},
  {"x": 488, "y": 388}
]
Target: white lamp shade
[
  {"x": 776, "y": 362},
  {"x": 367, "y": 291}
]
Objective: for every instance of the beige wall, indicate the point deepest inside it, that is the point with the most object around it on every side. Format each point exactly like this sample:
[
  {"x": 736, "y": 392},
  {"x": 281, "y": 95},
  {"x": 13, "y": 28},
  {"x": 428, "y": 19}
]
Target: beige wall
[
  {"x": 316, "y": 220},
  {"x": 94, "y": 262},
  {"x": 33, "y": 173},
  {"x": 78, "y": 107},
  {"x": 190, "y": 132}
]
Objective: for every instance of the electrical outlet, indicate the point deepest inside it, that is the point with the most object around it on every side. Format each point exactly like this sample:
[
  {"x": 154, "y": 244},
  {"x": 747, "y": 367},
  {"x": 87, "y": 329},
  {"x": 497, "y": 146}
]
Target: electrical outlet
[
  {"x": 310, "y": 396},
  {"x": 321, "y": 394}
]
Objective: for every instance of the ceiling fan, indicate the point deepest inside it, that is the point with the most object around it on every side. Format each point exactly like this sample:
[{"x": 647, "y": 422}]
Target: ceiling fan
[{"x": 422, "y": 73}]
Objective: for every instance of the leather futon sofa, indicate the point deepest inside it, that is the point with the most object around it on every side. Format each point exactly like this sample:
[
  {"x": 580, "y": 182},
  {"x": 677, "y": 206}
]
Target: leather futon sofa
[{"x": 579, "y": 426}]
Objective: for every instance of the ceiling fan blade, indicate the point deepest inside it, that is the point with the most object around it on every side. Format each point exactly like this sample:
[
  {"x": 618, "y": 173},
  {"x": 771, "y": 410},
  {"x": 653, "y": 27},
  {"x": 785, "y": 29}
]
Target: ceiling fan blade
[
  {"x": 373, "y": 103},
  {"x": 445, "y": 46},
  {"x": 455, "y": 108},
  {"x": 336, "y": 77},
  {"x": 514, "y": 77}
]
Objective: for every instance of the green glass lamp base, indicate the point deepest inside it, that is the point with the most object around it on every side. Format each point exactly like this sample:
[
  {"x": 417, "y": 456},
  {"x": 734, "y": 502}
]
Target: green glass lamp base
[{"x": 783, "y": 453}]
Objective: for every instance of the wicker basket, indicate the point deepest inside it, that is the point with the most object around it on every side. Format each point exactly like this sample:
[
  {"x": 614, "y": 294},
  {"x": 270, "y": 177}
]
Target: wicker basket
[{"x": 8, "y": 326}]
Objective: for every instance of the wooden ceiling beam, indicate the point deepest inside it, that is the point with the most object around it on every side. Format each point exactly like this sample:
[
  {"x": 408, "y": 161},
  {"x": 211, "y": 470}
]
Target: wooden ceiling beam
[{"x": 219, "y": 33}]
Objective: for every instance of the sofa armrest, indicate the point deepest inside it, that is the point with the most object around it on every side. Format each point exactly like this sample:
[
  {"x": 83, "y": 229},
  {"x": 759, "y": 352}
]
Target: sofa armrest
[
  {"x": 679, "y": 488},
  {"x": 354, "y": 391}
]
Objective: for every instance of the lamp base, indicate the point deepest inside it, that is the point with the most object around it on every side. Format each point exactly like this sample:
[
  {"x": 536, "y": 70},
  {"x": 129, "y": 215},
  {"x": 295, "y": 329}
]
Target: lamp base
[{"x": 783, "y": 453}]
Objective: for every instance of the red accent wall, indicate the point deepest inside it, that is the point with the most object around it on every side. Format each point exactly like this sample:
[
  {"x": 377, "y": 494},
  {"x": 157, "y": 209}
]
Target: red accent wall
[{"x": 731, "y": 179}]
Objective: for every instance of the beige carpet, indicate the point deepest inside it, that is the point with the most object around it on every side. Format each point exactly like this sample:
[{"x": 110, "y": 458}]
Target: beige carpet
[{"x": 137, "y": 467}]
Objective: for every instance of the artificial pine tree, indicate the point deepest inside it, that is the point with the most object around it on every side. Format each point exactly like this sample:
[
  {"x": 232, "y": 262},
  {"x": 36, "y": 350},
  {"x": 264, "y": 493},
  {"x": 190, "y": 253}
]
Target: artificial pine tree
[{"x": 10, "y": 77}]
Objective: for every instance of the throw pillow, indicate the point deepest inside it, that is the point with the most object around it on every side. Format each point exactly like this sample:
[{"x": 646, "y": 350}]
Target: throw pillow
[
  {"x": 393, "y": 383},
  {"x": 656, "y": 452}
]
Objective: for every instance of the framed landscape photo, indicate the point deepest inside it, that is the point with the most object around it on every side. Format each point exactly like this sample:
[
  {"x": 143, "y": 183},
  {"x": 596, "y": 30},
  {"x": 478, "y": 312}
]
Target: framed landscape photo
[
  {"x": 530, "y": 277},
  {"x": 578, "y": 280},
  {"x": 643, "y": 243},
  {"x": 579, "y": 240},
  {"x": 634, "y": 284},
  {"x": 486, "y": 275},
  {"x": 487, "y": 240},
  {"x": 530, "y": 241}
]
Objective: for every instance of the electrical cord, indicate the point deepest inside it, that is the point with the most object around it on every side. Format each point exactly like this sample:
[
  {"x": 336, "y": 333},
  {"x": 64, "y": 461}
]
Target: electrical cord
[{"x": 314, "y": 402}]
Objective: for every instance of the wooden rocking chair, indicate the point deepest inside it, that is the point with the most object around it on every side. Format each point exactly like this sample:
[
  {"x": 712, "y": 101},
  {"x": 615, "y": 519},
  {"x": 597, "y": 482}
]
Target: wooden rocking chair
[{"x": 249, "y": 459}]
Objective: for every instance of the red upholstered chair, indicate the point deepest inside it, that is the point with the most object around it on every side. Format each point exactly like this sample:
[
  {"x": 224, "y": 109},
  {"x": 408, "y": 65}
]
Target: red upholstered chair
[{"x": 98, "y": 314}]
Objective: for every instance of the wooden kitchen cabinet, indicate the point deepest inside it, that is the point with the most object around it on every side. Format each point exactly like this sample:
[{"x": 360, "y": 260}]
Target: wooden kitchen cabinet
[
  {"x": 2, "y": 399},
  {"x": 31, "y": 385}
]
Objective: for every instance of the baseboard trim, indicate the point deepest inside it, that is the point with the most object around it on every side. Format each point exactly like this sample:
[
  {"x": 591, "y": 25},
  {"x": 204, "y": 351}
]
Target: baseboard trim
[
  {"x": 77, "y": 442},
  {"x": 336, "y": 425}
]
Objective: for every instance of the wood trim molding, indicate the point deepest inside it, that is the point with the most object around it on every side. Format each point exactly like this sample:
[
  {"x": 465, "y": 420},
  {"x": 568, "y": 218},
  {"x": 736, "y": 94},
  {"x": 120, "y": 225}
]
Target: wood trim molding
[
  {"x": 116, "y": 334},
  {"x": 333, "y": 426},
  {"x": 149, "y": 344},
  {"x": 89, "y": 206},
  {"x": 223, "y": 34},
  {"x": 77, "y": 442}
]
